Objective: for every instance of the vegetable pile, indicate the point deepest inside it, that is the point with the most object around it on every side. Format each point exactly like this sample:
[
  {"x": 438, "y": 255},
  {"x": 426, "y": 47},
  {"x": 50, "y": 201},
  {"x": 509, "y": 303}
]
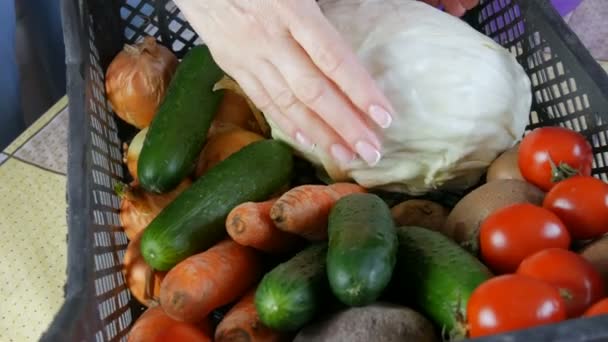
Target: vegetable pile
[{"x": 235, "y": 236}]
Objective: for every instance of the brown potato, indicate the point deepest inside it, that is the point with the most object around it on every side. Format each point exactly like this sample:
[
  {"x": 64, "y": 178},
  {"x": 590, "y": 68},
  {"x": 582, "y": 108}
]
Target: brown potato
[
  {"x": 505, "y": 166},
  {"x": 463, "y": 223},
  {"x": 421, "y": 213},
  {"x": 597, "y": 253},
  {"x": 376, "y": 322}
]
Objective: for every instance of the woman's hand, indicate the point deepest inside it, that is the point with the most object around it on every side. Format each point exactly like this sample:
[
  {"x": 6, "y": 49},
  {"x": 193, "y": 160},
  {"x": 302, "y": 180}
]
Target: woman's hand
[{"x": 296, "y": 68}]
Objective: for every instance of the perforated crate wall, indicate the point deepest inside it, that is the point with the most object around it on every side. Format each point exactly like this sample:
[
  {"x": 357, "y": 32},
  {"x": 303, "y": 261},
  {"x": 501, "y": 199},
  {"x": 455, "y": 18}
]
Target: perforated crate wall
[
  {"x": 565, "y": 93},
  {"x": 569, "y": 88}
]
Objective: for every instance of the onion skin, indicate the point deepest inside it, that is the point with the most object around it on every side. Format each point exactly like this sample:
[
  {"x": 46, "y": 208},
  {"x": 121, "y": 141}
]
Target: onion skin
[
  {"x": 221, "y": 146},
  {"x": 131, "y": 155},
  {"x": 137, "y": 80},
  {"x": 141, "y": 279}
]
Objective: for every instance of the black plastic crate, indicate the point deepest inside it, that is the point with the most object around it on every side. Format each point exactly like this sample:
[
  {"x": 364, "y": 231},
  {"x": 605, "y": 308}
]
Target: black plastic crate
[{"x": 570, "y": 89}]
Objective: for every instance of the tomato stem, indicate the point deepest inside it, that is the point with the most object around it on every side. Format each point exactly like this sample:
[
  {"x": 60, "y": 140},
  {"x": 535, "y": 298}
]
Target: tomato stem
[
  {"x": 565, "y": 294},
  {"x": 561, "y": 171}
]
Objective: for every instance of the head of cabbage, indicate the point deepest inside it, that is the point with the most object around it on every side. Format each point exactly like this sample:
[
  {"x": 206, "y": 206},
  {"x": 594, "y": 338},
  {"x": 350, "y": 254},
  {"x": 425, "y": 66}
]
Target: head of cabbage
[{"x": 460, "y": 98}]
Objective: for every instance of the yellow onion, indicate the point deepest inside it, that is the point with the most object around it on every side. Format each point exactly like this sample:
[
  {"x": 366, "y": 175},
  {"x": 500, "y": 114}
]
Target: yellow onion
[
  {"x": 238, "y": 109},
  {"x": 131, "y": 155},
  {"x": 142, "y": 280},
  {"x": 138, "y": 208},
  {"x": 137, "y": 80},
  {"x": 223, "y": 144}
]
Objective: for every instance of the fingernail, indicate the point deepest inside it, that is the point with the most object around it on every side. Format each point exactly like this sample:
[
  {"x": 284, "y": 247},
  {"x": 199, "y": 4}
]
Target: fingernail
[
  {"x": 380, "y": 116},
  {"x": 368, "y": 152},
  {"x": 341, "y": 153},
  {"x": 303, "y": 140}
]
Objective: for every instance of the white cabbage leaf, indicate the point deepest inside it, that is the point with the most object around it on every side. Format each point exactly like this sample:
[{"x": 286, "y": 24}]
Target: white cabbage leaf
[{"x": 460, "y": 98}]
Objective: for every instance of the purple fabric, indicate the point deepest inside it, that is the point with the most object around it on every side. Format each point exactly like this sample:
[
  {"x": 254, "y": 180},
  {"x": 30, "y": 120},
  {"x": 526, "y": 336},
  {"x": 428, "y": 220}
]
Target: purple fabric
[{"x": 565, "y": 6}]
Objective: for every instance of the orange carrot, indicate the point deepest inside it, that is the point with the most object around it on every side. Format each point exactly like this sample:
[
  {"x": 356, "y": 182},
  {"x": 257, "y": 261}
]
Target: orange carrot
[
  {"x": 303, "y": 210},
  {"x": 205, "y": 281},
  {"x": 182, "y": 332},
  {"x": 249, "y": 224},
  {"x": 242, "y": 323},
  {"x": 155, "y": 325}
]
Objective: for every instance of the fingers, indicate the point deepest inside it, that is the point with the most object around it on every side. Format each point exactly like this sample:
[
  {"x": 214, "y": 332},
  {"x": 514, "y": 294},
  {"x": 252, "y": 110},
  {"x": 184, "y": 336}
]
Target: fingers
[
  {"x": 454, "y": 7},
  {"x": 311, "y": 88},
  {"x": 305, "y": 126},
  {"x": 469, "y": 4},
  {"x": 334, "y": 58}
]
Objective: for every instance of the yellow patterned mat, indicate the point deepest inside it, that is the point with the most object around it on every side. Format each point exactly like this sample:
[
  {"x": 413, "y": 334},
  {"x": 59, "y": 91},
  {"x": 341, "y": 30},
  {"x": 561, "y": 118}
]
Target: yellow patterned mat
[{"x": 33, "y": 227}]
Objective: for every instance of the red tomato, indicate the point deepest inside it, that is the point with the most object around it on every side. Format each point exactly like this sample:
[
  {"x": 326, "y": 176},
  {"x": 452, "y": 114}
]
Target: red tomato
[
  {"x": 582, "y": 204},
  {"x": 512, "y": 302},
  {"x": 599, "y": 308},
  {"x": 511, "y": 234},
  {"x": 182, "y": 332},
  {"x": 550, "y": 154},
  {"x": 576, "y": 278}
]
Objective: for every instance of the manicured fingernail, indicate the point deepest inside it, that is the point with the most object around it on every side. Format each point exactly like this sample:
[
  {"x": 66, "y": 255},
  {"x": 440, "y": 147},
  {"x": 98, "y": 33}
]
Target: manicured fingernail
[
  {"x": 368, "y": 152},
  {"x": 342, "y": 154},
  {"x": 380, "y": 116},
  {"x": 303, "y": 140}
]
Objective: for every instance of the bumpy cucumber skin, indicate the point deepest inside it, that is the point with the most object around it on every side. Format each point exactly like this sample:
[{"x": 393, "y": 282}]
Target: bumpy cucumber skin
[
  {"x": 195, "y": 220},
  {"x": 178, "y": 131},
  {"x": 362, "y": 248},
  {"x": 437, "y": 275},
  {"x": 291, "y": 294}
]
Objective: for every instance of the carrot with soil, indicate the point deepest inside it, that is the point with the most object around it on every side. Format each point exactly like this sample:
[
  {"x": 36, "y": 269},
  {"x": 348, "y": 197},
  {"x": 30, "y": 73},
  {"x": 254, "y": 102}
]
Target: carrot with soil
[
  {"x": 249, "y": 224},
  {"x": 303, "y": 210},
  {"x": 242, "y": 323},
  {"x": 155, "y": 325},
  {"x": 206, "y": 281}
]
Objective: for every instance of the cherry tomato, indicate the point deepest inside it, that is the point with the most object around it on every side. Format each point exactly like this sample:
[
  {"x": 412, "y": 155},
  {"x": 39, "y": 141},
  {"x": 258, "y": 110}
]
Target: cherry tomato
[
  {"x": 511, "y": 234},
  {"x": 548, "y": 155},
  {"x": 512, "y": 302},
  {"x": 582, "y": 204},
  {"x": 599, "y": 308},
  {"x": 578, "y": 281}
]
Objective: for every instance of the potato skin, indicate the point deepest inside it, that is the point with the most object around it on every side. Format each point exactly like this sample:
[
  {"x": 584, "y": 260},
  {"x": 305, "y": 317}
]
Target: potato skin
[
  {"x": 505, "y": 166},
  {"x": 597, "y": 253},
  {"x": 462, "y": 225},
  {"x": 420, "y": 213},
  {"x": 375, "y": 322}
]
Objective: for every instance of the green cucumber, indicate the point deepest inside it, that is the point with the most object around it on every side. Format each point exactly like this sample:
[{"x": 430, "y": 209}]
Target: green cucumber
[
  {"x": 438, "y": 276},
  {"x": 362, "y": 248},
  {"x": 291, "y": 294},
  {"x": 195, "y": 220},
  {"x": 178, "y": 131}
]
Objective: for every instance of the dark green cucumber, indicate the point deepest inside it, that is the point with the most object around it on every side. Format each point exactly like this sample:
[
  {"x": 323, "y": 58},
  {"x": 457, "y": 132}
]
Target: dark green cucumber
[
  {"x": 291, "y": 294},
  {"x": 195, "y": 220},
  {"x": 179, "y": 128},
  {"x": 362, "y": 248},
  {"x": 437, "y": 275}
]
